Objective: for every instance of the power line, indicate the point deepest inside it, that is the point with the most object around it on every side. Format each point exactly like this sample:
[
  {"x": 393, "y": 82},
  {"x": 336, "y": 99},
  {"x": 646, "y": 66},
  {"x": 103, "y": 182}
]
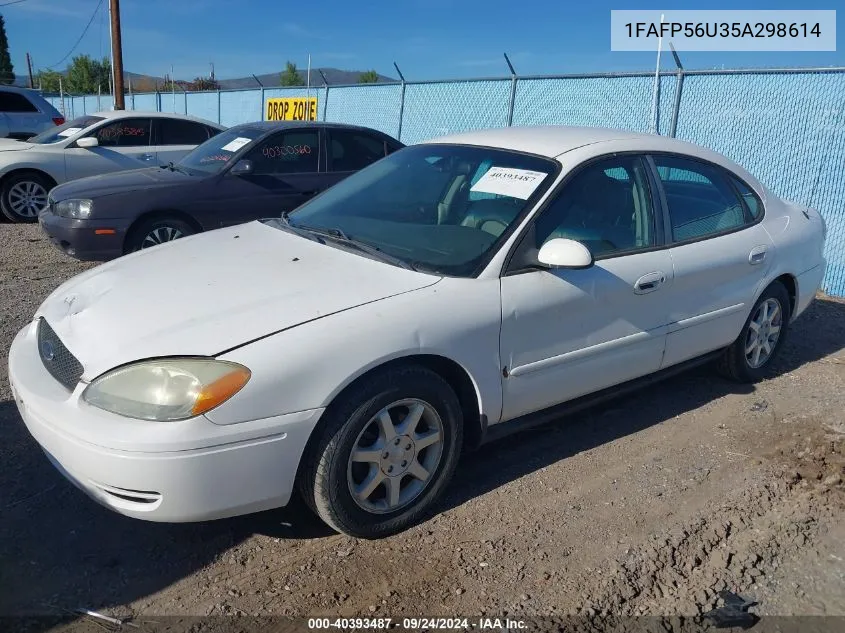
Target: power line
[
  {"x": 6, "y": 4},
  {"x": 93, "y": 15}
]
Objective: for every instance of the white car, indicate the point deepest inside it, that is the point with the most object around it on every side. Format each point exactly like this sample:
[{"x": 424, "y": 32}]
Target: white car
[
  {"x": 451, "y": 292},
  {"x": 25, "y": 113},
  {"x": 91, "y": 145}
]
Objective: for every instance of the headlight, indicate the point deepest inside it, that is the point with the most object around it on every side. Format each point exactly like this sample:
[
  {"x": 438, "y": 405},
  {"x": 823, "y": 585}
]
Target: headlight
[
  {"x": 77, "y": 209},
  {"x": 166, "y": 390}
]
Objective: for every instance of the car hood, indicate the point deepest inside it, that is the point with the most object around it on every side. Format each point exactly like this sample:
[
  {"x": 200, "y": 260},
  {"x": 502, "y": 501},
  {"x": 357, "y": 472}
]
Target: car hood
[
  {"x": 11, "y": 145},
  {"x": 144, "y": 179},
  {"x": 208, "y": 293}
]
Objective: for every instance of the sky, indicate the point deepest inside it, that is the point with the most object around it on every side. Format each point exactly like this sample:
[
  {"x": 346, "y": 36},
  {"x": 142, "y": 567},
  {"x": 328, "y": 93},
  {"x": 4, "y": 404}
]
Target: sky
[{"x": 428, "y": 39}]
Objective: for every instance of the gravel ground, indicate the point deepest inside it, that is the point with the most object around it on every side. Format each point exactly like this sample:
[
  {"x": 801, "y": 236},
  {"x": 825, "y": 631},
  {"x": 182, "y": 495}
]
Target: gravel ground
[{"x": 647, "y": 505}]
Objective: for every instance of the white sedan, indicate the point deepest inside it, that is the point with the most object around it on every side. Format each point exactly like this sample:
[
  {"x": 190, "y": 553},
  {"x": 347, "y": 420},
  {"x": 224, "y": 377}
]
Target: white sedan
[
  {"x": 452, "y": 292},
  {"x": 91, "y": 145}
]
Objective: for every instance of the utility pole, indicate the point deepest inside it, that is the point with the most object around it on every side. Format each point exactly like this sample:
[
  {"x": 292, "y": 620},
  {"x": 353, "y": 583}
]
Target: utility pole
[
  {"x": 117, "y": 55},
  {"x": 29, "y": 67}
]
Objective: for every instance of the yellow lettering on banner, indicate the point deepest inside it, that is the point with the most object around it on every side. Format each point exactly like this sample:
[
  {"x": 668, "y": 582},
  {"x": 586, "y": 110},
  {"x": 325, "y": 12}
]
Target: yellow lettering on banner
[{"x": 292, "y": 109}]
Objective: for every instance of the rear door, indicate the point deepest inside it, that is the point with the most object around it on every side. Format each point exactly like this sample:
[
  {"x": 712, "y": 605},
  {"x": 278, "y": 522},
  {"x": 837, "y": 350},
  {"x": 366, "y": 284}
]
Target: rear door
[
  {"x": 286, "y": 172},
  {"x": 350, "y": 150},
  {"x": 122, "y": 144},
  {"x": 720, "y": 255},
  {"x": 173, "y": 138}
]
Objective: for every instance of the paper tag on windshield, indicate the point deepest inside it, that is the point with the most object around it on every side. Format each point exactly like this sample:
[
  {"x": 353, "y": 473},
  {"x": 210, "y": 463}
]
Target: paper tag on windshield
[
  {"x": 235, "y": 145},
  {"x": 70, "y": 131},
  {"x": 509, "y": 181}
]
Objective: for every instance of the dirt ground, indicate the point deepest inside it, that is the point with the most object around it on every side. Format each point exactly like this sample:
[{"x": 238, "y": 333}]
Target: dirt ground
[{"x": 647, "y": 505}]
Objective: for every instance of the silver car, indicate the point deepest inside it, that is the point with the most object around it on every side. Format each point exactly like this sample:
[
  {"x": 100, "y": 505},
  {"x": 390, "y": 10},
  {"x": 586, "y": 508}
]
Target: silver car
[{"x": 24, "y": 113}]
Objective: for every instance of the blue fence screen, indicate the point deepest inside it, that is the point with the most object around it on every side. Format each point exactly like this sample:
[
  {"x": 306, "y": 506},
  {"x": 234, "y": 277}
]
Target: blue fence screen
[{"x": 787, "y": 127}]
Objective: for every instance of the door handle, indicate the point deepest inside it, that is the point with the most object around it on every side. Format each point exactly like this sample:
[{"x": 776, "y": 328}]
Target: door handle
[
  {"x": 649, "y": 283},
  {"x": 147, "y": 156},
  {"x": 757, "y": 255}
]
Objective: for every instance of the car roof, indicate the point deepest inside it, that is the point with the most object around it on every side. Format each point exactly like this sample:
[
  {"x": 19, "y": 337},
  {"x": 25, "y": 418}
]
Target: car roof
[
  {"x": 122, "y": 114},
  {"x": 267, "y": 126},
  {"x": 552, "y": 141}
]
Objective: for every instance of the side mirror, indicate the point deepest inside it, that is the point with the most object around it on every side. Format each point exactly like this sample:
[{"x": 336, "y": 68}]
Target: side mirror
[
  {"x": 559, "y": 252},
  {"x": 88, "y": 142},
  {"x": 241, "y": 168}
]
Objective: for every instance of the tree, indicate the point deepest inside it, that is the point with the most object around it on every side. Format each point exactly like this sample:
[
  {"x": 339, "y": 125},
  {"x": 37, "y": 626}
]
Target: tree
[
  {"x": 48, "y": 80},
  {"x": 290, "y": 76},
  {"x": 87, "y": 76},
  {"x": 203, "y": 83},
  {"x": 369, "y": 77},
  {"x": 7, "y": 71}
]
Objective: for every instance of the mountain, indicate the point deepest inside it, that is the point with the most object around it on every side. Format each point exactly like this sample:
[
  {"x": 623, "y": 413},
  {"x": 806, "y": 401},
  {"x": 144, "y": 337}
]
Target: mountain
[
  {"x": 334, "y": 77},
  {"x": 148, "y": 83}
]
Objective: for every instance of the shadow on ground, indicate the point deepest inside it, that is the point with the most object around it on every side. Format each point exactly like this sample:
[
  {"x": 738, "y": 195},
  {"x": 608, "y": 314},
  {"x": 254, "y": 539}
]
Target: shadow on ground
[{"x": 60, "y": 550}]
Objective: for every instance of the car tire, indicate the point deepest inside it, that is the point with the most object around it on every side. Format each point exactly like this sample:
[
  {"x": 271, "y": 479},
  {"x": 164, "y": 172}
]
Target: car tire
[
  {"x": 750, "y": 356},
  {"x": 157, "y": 231},
  {"x": 356, "y": 495},
  {"x": 23, "y": 196}
]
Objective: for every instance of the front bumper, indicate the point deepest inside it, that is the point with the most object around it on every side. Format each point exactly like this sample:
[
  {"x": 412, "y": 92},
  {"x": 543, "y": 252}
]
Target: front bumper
[
  {"x": 186, "y": 471},
  {"x": 79, "y": 239}
]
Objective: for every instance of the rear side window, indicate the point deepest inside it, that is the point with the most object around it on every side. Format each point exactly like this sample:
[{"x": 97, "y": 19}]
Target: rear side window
[
  {"x": 752, "y": 200},
  {"x": 351, "y": 150},
  {"x": 14, "y": 102},
  {"x": 124, "y": 133},
  {"x": 178, "y": 132},
  {"x": 701, "y": 200}
]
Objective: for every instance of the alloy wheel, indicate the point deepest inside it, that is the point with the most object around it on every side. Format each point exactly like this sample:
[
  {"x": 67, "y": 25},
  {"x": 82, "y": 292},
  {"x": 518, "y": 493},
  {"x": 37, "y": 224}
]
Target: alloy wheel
[
  {"x": 763, "y": 333},
  {"x": 394, "y": 457},
  {"x": 160, "y": 235},
  {"x": 27, "y": 198}
]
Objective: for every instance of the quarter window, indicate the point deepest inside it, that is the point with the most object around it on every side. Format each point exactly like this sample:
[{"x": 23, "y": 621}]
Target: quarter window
[
  {"x": 124, "y": 133},
  {"x": 607, "y": 207},
  {"x": 701, "y": 200},
  {"x": 752, "y": 200},
  {"x": 294, "y": 152}
]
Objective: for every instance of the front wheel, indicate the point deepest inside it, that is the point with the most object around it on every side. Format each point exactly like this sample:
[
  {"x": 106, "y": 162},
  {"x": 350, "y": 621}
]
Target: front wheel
[
  {"x": 155, "y": 232},
  {"x": 762, "y": 336},
  {"x": 24, "y": 196},
  {"x": 385, "y": 453}
]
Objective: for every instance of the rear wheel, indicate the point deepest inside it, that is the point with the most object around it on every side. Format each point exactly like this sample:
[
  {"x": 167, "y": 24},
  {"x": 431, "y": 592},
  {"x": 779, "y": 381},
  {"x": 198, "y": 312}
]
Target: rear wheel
[
  {"x": 762, "y": 336},
  {"x": 24, "y": 196},
  {"x": 385, "y": 453},
  {"x": 158, "y": 231}
]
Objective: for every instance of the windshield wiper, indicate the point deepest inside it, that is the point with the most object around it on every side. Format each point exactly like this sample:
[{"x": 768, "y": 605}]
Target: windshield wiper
[{"x": 338, "y": 235}]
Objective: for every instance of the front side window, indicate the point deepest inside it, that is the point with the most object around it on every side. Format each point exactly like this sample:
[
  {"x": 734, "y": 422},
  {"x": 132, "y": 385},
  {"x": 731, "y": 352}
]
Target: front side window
[
  {"x": 607, "y": 206},
  {"x": 352, "y": 150},
  {"x": 416, "y": 204},
  {"x": 701, "y": 200},
  {"x": 124, "y": 133},
  {"x": 292, "y": 152}
]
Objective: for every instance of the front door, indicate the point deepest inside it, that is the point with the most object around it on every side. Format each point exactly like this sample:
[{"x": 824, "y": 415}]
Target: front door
[
  {"x": 286, "y": 173},
  {"x": 122, "y": 144},
  {"x": 566, "y": 333}
]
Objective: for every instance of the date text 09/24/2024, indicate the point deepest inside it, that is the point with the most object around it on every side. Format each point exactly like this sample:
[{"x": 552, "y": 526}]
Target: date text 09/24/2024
[{"x": 417, "y": 623}]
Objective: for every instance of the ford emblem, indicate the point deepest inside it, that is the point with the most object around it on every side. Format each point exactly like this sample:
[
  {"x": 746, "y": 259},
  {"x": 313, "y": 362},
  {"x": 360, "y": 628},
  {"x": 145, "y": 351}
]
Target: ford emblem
[{"x": 47, "y": 351}]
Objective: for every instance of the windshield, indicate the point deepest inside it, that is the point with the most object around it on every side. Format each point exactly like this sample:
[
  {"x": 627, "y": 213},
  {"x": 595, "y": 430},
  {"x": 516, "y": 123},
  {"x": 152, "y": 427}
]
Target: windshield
[
  {"x": 214, "y": 154},
  {"x": 440, "y": 208},
  {"x": 63, "y": 131}
]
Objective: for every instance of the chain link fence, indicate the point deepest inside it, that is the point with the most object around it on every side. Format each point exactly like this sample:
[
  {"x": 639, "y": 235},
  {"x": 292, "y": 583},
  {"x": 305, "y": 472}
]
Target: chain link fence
[{"x": 787, "y": 126}]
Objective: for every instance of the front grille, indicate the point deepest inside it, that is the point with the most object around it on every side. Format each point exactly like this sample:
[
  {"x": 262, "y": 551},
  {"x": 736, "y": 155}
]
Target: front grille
[{"x": 57, "y": 359}]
